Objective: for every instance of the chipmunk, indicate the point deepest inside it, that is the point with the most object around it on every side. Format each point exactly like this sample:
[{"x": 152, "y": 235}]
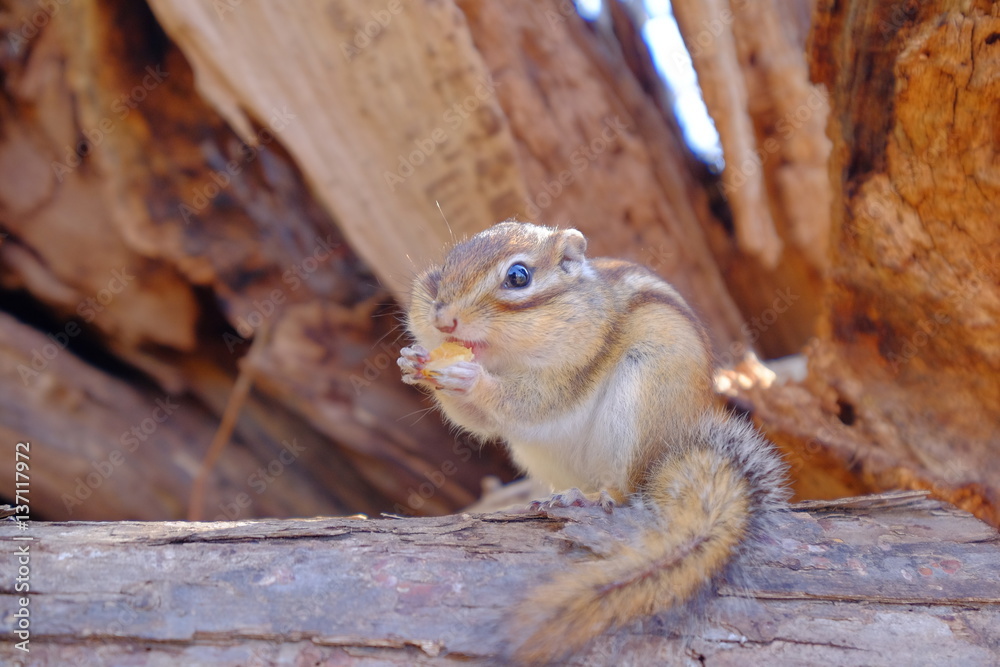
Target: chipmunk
[{"x": 598, "y": 377}]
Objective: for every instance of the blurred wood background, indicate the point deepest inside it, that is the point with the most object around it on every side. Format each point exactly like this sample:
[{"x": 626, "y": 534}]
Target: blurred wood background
[{"x": 180, "y": 178}]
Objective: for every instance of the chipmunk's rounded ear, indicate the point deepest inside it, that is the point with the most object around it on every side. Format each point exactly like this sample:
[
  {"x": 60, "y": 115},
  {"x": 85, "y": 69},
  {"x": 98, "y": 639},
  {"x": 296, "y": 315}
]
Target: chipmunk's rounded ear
[{"x": 574, "y": 245}]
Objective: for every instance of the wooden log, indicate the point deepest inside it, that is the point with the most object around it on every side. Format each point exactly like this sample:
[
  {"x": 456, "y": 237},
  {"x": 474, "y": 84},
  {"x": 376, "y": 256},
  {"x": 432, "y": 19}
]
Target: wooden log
[
  {"x": 845, "y": 584},
  {"x": 129, "y": 451}
]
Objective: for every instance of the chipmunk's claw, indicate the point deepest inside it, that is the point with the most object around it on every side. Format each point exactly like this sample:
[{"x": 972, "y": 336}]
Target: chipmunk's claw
[
  {"x": 458, "y": 378},
  {"x": 416, "y": 353},
  {"x": 574, "y": 498},
  {"x": 411, "y": 362}
]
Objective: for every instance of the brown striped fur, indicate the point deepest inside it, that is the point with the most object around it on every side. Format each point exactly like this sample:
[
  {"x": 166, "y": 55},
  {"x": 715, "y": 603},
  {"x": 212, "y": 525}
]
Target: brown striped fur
[{"x": 597, "y": 376}]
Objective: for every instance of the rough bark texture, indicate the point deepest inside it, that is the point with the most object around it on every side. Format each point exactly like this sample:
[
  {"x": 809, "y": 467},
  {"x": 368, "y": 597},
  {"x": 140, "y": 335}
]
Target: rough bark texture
[
  {"x": 913, "y": 334},
  {"x": 910, "y": 585},
  {"x": 753, "y": 72},
  {"x": 903, "y": 384}
]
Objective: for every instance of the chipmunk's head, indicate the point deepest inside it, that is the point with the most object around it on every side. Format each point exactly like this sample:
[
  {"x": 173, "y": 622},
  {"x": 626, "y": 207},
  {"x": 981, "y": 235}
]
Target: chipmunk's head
[{"x": 509, "y": 292}]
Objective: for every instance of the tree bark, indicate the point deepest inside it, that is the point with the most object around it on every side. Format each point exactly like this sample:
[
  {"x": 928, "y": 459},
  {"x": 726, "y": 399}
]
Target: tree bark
[
  {"x": 754, "y": 75},
  {"x": 855, "y": 583},
  {"x": 902, "y": 388}
]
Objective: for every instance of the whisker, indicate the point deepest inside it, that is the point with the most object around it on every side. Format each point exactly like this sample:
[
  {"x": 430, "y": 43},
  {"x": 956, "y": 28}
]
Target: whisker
[
  {"x": 423, "y": 413},
  {"x": 447, "y": 224},
  {"x": 390, "y": 331}
]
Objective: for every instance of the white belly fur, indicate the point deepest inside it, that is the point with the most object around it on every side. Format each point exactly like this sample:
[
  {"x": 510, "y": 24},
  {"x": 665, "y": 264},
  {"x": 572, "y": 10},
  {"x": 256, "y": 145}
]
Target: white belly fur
[{"x": 589, "y": 447}]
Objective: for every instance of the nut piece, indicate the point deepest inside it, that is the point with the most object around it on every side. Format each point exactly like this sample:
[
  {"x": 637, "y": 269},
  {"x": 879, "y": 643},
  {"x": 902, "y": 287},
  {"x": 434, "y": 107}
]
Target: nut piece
[{"x": 447, "y": 354}]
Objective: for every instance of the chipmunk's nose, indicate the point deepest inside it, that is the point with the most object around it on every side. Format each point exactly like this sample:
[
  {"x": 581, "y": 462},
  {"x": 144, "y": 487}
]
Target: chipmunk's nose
[{"x": 444, "y": 319}]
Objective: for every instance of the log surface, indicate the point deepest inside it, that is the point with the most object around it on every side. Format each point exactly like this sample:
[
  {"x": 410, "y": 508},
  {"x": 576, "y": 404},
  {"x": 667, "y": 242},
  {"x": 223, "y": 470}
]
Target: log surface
[{"x": 842, "y": 586}]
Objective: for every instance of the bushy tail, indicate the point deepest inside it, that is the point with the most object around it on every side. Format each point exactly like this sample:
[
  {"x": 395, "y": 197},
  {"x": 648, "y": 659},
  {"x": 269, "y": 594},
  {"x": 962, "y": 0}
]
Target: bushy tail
[{"x": 713, "y": 495}]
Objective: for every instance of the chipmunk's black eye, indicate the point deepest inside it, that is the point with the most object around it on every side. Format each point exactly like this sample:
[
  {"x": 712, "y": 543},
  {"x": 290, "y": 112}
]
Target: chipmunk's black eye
[{"x": 518, "y": 276}]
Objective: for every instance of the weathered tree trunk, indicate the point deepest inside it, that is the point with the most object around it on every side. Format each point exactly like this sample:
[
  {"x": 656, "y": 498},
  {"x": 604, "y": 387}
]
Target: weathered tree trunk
[
  {"x": 903, "y": 384},
  {"x": 897, "y": 585},
  {"x": 752, "y": 68}
]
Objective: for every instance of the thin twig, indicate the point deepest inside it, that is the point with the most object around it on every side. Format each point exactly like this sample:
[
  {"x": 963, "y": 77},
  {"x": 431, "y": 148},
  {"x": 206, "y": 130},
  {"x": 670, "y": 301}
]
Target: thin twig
[{"x": 238, "y": 396}]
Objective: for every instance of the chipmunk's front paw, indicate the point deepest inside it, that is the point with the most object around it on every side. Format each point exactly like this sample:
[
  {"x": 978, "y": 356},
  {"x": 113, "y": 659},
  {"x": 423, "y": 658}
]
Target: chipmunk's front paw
[
  {"x": 458, "y": 378},
  {"x": 411, "y": 362},
  {"x": 574, "y": 498}
]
